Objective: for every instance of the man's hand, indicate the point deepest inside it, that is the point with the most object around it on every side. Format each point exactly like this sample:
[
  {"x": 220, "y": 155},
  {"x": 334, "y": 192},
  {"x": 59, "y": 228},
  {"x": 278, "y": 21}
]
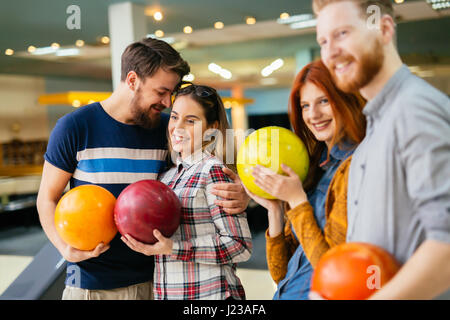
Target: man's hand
[
  {"x": 425, "y": 275},
  {"x": 74, "y": 255},
  {"x": 236, "y": 199}
]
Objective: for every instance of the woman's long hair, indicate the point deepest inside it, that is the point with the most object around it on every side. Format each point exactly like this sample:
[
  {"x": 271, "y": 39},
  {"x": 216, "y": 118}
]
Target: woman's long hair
[{"x": 347, "y": 111}]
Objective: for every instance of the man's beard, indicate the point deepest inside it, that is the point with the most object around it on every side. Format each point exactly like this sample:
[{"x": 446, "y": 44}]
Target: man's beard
[
  {"x": 141, "y": 115},
  {"x": 367, "y": 68}
]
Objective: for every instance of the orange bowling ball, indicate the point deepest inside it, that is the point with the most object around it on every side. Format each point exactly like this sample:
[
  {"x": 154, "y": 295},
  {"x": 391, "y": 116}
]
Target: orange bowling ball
[
  {"x": 353, "y": 271},
  {"x": 84, "y": 217}
]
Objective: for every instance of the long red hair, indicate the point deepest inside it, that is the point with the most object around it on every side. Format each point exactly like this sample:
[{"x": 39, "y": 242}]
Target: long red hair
[{"x": 347, "y": 111}]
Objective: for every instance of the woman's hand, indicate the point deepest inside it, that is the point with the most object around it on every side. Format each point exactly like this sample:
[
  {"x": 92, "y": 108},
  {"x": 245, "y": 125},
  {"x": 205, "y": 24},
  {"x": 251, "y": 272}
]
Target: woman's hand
[
  {"x": 274, "y": 211},
  {"x": 287, "y": 188},
  {"x": 163, "y": 246},
  {"x": 269, "y": 204}
]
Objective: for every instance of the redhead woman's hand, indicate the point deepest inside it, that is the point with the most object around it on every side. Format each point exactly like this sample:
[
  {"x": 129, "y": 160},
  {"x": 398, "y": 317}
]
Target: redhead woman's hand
[
  {"x": 287, "y": 188},
  {"x": 163, "y": 246},
  {"x": 274, "y": 211},
  {"x": 269, "y": 204}
]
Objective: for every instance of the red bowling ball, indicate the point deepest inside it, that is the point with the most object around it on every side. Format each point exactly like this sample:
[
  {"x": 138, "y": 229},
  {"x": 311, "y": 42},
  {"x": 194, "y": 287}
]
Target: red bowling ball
[{"x": 144, "y": 206}]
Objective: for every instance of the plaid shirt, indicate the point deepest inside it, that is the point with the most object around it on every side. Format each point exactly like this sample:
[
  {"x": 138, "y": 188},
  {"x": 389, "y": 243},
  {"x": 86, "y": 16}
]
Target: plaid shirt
[{"x": 208, "y": 243}]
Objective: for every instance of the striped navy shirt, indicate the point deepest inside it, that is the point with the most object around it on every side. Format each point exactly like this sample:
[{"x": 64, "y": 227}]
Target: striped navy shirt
[{"x": 99, "y": 150}]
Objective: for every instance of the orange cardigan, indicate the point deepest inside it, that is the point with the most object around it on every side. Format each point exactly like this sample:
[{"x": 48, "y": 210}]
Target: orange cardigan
[{"x": 314, "y": 242}]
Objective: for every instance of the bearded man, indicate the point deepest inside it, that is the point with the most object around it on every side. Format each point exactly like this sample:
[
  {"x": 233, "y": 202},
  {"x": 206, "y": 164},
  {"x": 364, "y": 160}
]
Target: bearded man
[
  {"x": 114, "y": 143},
  {"x": 399, "y": 180}
]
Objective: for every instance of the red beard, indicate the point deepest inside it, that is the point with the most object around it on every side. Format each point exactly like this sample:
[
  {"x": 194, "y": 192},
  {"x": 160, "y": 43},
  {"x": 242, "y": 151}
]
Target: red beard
[{"x": 368, "y": 67}]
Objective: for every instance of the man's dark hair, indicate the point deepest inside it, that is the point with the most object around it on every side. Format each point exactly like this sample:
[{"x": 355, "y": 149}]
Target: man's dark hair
[{"x": 145, "y": 57}]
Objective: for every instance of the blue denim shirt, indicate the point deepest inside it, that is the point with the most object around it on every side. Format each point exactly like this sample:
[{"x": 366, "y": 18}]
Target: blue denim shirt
[{"x": 296, "y": 283}]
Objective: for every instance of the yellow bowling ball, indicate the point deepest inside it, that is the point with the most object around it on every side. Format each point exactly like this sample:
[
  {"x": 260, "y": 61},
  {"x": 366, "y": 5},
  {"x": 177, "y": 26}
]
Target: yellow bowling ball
[{"x": 270, "y": 147}]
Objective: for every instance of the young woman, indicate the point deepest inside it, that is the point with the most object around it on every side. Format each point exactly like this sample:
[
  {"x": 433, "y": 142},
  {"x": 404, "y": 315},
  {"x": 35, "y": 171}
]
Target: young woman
[
  {"x": 331, "y": 124},
  {"x": 199, "y": 260}
]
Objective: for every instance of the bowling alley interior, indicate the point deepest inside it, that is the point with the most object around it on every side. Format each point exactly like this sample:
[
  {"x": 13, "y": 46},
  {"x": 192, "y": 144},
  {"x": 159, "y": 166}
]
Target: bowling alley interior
[{"x": 58, "y": 56}]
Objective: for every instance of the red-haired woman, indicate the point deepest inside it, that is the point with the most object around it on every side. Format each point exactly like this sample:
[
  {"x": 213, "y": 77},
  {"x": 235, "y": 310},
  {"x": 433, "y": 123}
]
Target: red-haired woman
[{"x": 331, "y": 124}]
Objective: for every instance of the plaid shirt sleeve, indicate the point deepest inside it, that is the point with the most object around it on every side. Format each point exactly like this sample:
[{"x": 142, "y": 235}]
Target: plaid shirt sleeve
[{"x": 232, "y": 241}]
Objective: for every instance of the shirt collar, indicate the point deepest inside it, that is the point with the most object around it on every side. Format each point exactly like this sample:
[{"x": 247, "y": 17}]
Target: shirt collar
[
  {"x": 339, "y": 152},
  {"x": 194, "y": 158},
  {"x": 375, "y": 106}
]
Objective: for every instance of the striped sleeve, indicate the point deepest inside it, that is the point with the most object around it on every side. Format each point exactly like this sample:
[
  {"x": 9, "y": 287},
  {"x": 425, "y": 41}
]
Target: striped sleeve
[{"x": 62, "y": 145}]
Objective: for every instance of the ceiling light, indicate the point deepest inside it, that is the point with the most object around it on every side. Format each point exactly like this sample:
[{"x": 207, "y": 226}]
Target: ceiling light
[
  {"x": 224, "y": 73},
  {"x": 250, "y": 20},
  {"x": 76, "y": 103},
  {"x": 31, "y": 49},
  {"x": 299, "y": 21},
  {"x": 67, "y": 52},
  {"x": 45, "y": 50},
  {"x": 304, "y": 24},
  {"x": 187, "y": 29},
  {"x": 9, "y": 52},
  {"x": 266, "y": 71},
  {"x": 54, "y": 50},
  {"x": 105, "y": 40},
  {"x": 277, "y": 64},
  {"x": 55, "y": 46},
  {"x": 399, "y": 1},
  {"x": 159, "y": 33},
  {"x": 189, "y": 77},
  {"x": 439, "y": 4},
  {"x": 214, "y": 67},
  {"x": 158, "y": 16},
  {"x": 79, "y": 43},
  {"x": 296, "y": 18},
  {"x": 284, "y": 15},
  {"x": 218, "y": 25}
]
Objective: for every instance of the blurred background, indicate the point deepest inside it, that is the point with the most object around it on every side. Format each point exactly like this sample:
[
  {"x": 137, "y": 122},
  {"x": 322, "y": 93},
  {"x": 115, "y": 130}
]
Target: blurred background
[{"x": 58, "y": 55}]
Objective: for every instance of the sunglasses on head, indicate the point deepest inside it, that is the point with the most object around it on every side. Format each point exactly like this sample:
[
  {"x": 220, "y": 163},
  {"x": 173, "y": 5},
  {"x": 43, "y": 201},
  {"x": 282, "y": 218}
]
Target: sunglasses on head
[{"x": 188, "y": 87}]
